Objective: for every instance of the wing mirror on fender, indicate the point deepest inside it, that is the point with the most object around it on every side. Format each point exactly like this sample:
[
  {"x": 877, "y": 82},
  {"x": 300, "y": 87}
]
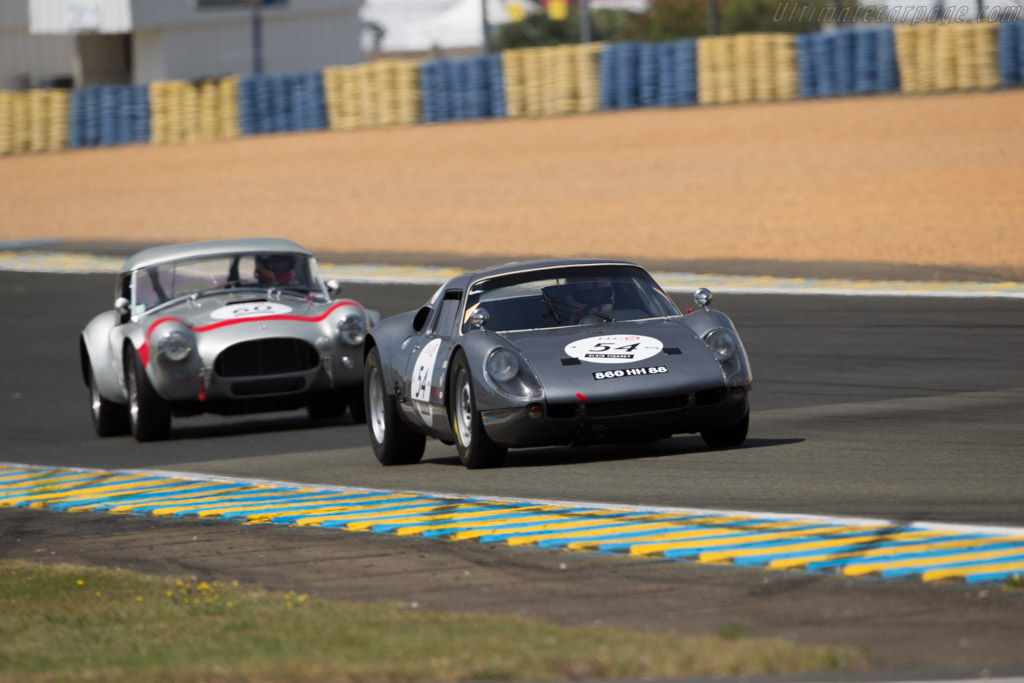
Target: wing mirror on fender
[
  {"x": 333, "y": 287},
  {"x": 122, "y": 305},
  {"x": 478, "y": 318}
]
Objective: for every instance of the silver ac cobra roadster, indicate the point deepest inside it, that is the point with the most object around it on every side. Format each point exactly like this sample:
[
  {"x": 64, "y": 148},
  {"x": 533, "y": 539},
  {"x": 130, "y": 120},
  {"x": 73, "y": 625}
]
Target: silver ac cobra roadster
[
  {"x": 552, "y": 353},
  {"x": 227, "y": 327}
]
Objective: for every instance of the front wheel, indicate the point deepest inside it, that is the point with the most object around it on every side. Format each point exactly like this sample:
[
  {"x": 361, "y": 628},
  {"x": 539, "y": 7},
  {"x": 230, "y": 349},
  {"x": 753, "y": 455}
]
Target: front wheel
[
  {"x": 476, "y": 450},
  {"x": 148, "y": 414},
  {"x": 729, "y": 437},
  {"x": 394, "y": 443},
  {"x": 108, "y": 418}
]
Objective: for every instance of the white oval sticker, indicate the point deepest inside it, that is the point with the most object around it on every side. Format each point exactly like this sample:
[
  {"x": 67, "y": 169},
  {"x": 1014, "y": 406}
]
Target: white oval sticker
[
  {"x": 614, "y": 348},
  {"x": 254, "y": 309}
]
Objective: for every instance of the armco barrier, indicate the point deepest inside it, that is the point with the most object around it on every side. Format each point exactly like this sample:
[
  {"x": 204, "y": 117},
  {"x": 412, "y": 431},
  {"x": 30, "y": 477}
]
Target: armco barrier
[{"x": 528, "y": 82}]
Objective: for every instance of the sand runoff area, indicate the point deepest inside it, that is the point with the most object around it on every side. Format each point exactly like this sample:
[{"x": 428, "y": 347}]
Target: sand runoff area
[{"x": 928, "y": 180}]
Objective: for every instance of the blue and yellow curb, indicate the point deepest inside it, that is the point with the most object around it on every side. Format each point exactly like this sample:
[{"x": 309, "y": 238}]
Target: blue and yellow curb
[
  {"x": 35, "y": 261},
  {"x": 830, "y": 545}
]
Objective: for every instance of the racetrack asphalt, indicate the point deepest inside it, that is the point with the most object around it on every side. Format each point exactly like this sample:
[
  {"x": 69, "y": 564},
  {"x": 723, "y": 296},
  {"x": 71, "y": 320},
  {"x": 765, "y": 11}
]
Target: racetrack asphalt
[{"x": 897, "y": 408}]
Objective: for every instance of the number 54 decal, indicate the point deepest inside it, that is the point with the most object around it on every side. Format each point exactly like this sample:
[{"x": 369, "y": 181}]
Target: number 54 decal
[{"x": 614, "y": 348}]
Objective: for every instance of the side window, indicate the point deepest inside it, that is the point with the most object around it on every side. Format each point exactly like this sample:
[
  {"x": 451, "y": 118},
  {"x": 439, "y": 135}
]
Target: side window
[{"x": 444, "y": 322}]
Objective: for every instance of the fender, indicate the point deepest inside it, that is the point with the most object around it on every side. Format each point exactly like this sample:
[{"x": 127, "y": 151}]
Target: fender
[
  {"x": 96, "y": 350},
  {"x": 388, "y": 337}
]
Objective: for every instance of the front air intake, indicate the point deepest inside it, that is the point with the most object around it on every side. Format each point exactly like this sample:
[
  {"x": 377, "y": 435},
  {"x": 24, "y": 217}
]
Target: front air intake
[{"x": 266, "y": 357}]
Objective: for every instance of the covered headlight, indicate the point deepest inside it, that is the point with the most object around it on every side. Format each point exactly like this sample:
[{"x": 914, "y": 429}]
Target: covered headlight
[
  {"x": 502, "y": 365},
  {"x": 722, "y": 344},
  {"x": 352, "y": 329},
  {"x": 511, "y": 375},
  {"x": 175, "y": 345}
]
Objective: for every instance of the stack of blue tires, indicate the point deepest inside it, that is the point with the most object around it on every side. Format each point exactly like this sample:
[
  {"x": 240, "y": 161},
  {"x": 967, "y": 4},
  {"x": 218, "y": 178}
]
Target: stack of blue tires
[
  {"x": 846, "y": 62},
  {"x": 1011, "y": 53},
  {"x": 108, "y": 115},
  {"x": 462, "y": 89},
  {"x": 281, "y": 103}
]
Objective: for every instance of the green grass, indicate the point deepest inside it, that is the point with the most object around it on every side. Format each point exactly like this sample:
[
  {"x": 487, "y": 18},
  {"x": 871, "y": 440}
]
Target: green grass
[{"x": 68, "y": 623}]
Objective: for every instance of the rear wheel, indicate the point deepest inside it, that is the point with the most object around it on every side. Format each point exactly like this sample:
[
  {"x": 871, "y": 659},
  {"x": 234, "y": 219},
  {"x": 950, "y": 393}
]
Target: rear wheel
[
  {"x": 394, "y": 443},
  {"x": 476, "y": 450},
  {"x": 108, "y": 418},
  {"x": 148, "y": 414},
  {"x": 729, "y": 437}
]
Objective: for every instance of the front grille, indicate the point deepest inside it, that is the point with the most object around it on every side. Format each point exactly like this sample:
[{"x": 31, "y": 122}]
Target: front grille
[
  {"x": 260, "y": 387},
  {"x": 636, "y": 406},
  {"x": 266, "y": 357}
]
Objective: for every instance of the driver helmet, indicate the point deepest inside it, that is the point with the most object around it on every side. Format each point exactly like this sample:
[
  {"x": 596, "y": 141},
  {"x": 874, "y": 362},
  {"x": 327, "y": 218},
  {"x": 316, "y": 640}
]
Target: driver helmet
[
  {"x": 275, "y": 269},
  {"x": 595, "y": 294}
]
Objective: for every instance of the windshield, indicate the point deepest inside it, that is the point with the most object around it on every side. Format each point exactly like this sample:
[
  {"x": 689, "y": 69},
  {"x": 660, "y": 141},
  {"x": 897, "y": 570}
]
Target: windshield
[
  {"x": 157, "y": 285},
  {"x": 568, "y": 296}
]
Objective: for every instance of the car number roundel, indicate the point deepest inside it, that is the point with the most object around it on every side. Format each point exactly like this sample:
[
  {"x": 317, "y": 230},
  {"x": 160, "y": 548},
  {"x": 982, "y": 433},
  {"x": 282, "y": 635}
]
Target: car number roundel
[
  {"x": 614, "y": 348},
  {"x": 249, "y": 310}
]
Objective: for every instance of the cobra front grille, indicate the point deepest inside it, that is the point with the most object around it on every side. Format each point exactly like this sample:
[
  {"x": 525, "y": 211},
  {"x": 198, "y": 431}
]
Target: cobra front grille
[{"x": 266, "y": 357}]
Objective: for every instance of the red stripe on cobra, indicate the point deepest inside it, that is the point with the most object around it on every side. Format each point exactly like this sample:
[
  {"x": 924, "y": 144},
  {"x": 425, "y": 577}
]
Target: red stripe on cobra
[{"x": 144, "y": 349}]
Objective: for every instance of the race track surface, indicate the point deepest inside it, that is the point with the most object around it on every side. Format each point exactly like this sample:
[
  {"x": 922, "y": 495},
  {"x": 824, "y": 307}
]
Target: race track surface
[{"x": 899, "y": 409}]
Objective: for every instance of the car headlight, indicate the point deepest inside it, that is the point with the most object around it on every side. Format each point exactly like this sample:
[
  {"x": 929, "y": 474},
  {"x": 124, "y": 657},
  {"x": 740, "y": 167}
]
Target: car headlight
[
  {"x": 502, "y": 365},
  {"x": 352, "y": 329},
  {"x": 175, "y": 345},
  {"x": 511, "y": 375},
  {"x": 722, "y": 344}
]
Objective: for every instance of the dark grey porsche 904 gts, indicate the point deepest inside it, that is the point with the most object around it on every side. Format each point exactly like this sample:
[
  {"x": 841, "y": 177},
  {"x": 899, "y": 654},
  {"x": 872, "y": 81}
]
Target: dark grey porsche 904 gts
[{"x": 552, "y": 353}]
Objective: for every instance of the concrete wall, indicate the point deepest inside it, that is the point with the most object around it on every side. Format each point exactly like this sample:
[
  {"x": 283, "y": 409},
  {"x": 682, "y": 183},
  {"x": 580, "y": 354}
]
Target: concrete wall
[
  {"x": 290, "y": 43},
  {"x": 38, "y": 57}
]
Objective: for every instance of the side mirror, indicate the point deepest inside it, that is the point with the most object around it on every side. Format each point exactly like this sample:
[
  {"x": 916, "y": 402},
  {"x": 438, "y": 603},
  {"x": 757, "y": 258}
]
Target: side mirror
[
  {"x": 421, "y": 318},
  {"x": 333, "y": 287},
  {"x": 122, "y": 305},
  {"x": 478, "y": 318},
  {"x": 702, "y": 297}
]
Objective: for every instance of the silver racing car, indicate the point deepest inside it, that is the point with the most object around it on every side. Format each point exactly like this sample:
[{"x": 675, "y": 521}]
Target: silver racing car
[
  {"x": 566, "y": 352},
  {"x": 228, "y": 327}
]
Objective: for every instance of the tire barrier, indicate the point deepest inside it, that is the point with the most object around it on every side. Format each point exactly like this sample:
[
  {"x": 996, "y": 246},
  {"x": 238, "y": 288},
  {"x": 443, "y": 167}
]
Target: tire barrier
[
  {"x": 383, "y": 93},
  {"x": 33, "y": 121},
  {"x": 749, "y": 67},
  {"x": 527, "y": 82},
  {"x": 648, "y": 74},
  {"x": 552, "y": 81},
  {"x": 462, "y": 90},
  {"x": 1010, "y": 49},
  {"x": 959, "y": 57},
  {"x": 281, "y": 103},
  {"x": 180, "y": 111},
  {"x": 847, "y": 62},
  {"x": 109, "y": 115}
]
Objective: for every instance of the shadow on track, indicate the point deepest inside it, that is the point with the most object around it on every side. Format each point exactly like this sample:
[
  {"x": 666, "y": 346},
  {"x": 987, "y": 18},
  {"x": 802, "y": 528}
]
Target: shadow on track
[{"x": 556, "y": 457}]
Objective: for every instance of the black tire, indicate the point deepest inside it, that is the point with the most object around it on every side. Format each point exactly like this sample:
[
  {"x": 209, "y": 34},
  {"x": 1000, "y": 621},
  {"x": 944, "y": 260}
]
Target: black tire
[
  {"x": 357, "y": 406},
  {"x": 729, "y": 437},
  {"x": 148, "y": 414},
  {"x": 476, "y": 450},
  {"x": 108, "y": 418},
  {"x": 327, "y": 405},
  {"x": 394, "y": 443}
]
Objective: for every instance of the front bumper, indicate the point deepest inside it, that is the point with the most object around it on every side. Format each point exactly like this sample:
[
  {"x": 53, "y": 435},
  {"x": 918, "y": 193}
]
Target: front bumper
[{"x": 583, "y": 423}]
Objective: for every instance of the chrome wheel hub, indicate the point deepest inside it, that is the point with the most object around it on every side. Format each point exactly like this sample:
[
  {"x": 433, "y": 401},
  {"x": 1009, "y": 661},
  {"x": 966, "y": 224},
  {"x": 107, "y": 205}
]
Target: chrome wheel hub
[
  {"x": 376, "y": 391},
  {"x": 463, "y": 410}
]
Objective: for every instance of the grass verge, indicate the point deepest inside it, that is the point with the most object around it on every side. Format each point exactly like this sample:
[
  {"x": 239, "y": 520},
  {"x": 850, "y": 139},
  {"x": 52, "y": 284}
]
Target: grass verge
[{"x": 70, "y": 623}]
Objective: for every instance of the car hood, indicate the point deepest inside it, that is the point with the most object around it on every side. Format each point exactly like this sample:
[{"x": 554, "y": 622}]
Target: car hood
[
  {"x": 636, "y": 358},
  {"x": 239, "y": 306}
]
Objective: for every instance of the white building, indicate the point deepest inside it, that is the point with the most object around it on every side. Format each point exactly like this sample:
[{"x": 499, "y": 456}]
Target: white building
[{"x": 140, "y": 41}]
